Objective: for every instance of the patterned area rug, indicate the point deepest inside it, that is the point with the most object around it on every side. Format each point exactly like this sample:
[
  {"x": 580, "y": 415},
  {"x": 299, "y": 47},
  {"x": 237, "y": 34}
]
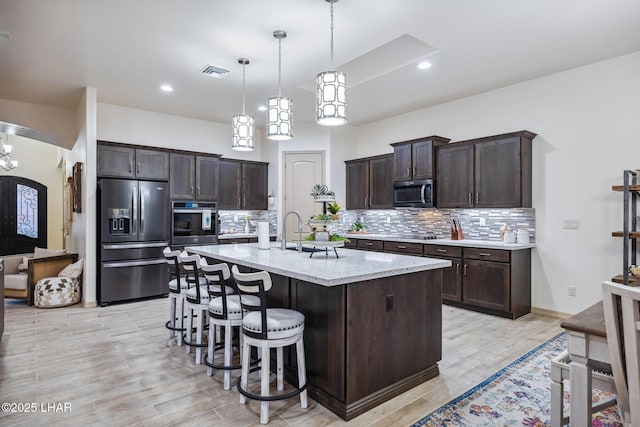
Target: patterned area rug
[{"x": 518, "y": 395}]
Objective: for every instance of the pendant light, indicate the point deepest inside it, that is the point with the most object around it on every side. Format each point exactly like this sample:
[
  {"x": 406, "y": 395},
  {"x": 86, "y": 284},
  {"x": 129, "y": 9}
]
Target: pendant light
[
  {"x": 243, "y": 124},
  {"x": 331, "y": 92},
  {"x": 279, "y": 108}
]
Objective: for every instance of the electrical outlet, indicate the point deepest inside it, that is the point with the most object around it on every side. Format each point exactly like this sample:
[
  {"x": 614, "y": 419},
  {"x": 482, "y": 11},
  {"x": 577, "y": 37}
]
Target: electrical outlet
[
  {"x": 483, "y": 221},
  {"x": 571, "y": 224},
  {"x": 572, "y": 291}
]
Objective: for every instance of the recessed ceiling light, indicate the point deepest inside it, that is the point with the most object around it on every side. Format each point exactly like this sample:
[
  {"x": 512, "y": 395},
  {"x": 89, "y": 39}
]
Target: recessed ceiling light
[
  {"x": 262, "y": 108},
  {"x": 166, "y": 88},
  {"x": 424, "y": 65}
]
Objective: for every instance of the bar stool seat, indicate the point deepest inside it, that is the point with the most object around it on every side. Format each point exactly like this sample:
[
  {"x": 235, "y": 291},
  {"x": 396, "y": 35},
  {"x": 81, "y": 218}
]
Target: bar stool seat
[
  {"x": 281, "y": 323},
  {"x": 267, "y": 328}
]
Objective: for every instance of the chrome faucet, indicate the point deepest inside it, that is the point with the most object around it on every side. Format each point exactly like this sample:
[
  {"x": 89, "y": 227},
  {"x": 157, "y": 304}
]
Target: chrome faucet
[{"x": 283, "y": 244}]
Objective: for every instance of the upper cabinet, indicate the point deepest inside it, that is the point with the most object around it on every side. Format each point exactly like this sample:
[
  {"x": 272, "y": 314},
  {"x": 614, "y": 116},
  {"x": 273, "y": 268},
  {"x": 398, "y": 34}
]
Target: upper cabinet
[
  {"x": 370, "y": 183},
  {"x": 193, "y": 177},
  {"x": 242, "y": 184},
  {"x": 414, "y": 160},
  {"x": 485, "y": 173},
  {"x": 120, "y": 161}
]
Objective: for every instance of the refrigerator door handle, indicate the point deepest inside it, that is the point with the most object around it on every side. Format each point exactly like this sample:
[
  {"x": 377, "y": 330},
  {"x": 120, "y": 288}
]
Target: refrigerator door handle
[
  {"x": 133, "y": 263},
  {"x": 136, "y": 245},
  {"x": 142, "y": 211},
  {"x": 134, "y": 202}
]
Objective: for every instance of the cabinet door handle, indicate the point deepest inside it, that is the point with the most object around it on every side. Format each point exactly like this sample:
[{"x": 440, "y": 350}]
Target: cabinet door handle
[
  {"x": 470, "y": 198},
  {"x": 444, "y": 251},
  {"x": 369, "y": 244},
  {"x": 465, "y": 270},
  {"x": 238, "y": 201},
  {"x": 244, "y": 201},
  {"x": 409, "y": 171},
  {"x": 401, "y": 247},
  {"x": 457, "y": 269},
  {"x": 414, "y": 171},
  {"x": 198, "y": 190},
  {"x": 484, "y": 254},
  {"x": 130, "y": 167},
  {"x": 191, "y": 192},
  {"x": 138, "y": 167},
  {"x": 477, "y": 197},
  {"x": 365, "y": 202}
]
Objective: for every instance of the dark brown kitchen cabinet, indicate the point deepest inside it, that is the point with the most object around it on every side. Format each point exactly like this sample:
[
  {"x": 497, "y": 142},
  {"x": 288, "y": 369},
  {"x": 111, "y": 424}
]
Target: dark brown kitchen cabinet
[
  {"x": 413, "y": 160},
  {"x": 371, "y": 245},
  {"x": 497, "y": 281},
  {"x": 120, "y": 161},
  {"x": 242, "y": 185},
  {"x": 369, "y": 183},
  {"x": 454, "y": 181},
  {"x": 451, "y": 276},
  {"x": 403, "y": 248},
  {"x": 193, "y": 177},
  {"x": 485, "y": 173}
]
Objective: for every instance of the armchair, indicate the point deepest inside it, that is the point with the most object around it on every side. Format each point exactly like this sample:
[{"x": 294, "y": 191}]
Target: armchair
[{"x": 20, "y": 284}]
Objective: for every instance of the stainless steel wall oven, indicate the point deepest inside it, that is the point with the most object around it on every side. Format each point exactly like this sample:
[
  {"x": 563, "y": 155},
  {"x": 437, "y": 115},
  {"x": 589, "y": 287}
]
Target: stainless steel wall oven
[{"x": 194, "y": 223}]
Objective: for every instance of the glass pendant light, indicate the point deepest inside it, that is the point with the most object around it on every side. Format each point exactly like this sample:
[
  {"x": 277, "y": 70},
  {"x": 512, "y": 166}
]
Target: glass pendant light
[
  {"x": 331, "y": 92},
  {"x": 278, "y": 108},
  {"x": 243, "y": 124}
]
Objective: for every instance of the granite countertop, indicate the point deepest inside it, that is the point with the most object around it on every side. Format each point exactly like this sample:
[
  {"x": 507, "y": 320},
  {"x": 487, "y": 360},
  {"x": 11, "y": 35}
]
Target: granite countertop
[
  {"x": 240, "y": 235},
  {"x": 484, "y": 244},
  {"x": 352, "y": 266}
]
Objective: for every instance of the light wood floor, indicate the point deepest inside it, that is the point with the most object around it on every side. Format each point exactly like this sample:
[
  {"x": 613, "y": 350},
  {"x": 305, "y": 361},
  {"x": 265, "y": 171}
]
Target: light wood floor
[{"x": 116, "y": 366}]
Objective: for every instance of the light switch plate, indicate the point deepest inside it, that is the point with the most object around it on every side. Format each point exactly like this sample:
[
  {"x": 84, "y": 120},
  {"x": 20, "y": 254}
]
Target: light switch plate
[{"x": 571, "y": 224}]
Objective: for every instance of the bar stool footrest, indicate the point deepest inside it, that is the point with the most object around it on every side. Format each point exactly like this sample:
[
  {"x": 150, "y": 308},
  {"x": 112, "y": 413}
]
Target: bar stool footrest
[{"x": 271, "y": 398}]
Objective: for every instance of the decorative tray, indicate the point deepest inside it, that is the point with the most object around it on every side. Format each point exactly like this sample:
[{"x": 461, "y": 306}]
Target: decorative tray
[
  {"x": 323, "y": 222},
  {"x": 322, "y": 244}
]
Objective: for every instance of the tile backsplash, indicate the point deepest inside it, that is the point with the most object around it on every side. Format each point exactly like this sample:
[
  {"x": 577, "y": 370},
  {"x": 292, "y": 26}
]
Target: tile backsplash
[
  {"x": 482, "y": 224},
  {"x": 235, "y": 220}
]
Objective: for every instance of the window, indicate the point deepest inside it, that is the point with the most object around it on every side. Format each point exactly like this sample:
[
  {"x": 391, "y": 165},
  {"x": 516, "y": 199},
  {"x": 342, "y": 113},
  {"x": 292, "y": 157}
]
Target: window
[{"x": 27, "y": 211}]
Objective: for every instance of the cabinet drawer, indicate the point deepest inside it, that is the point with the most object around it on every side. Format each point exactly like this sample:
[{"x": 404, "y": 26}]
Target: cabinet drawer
[
  {"x": 449, "y": 251},
  {"x": 370, "y": 245},
  {"x": 403, "y": 248},
  {"x": 234, "y": 241},
  {"x": 487, "y": 254}
]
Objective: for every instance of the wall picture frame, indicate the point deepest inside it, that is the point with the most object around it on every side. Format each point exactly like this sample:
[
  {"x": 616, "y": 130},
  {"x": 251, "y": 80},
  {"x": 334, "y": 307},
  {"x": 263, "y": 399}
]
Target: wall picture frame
[{"x": 77, "y": 187}]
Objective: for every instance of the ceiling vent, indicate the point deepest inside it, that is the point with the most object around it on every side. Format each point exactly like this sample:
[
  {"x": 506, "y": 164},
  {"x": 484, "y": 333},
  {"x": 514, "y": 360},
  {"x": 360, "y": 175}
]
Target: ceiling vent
[{"x": 214, "y": 71}]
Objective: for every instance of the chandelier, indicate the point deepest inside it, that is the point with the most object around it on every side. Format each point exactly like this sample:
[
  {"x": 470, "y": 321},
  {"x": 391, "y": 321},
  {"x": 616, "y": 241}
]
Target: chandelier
[
  {"x": 331, "y": 92},
  {"x": 243, "y": 124},
  {"x": 6, "y": 161}
]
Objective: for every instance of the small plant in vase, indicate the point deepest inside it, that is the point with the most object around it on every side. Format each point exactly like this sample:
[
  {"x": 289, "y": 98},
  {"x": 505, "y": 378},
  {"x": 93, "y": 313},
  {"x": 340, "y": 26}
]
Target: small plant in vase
[{"x": 333, "y": 209}]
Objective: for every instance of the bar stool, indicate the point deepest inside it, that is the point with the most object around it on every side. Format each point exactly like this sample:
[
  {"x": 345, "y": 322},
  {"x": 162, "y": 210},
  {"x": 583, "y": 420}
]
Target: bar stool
[
  {"x": 224, "y": 311},
  {"x": 177, "y": 290},
  {"x": 197, "y": 300},
  {"x": 267, "y": 328}
]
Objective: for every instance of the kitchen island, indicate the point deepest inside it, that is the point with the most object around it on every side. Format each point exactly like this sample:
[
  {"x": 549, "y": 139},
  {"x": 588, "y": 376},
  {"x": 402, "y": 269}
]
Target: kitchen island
[{"x": 373, "y": 321}]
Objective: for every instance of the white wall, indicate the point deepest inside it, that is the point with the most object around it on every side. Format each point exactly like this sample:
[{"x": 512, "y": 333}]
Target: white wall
[
  {"x": 587, "y": 125},
  {"x": 59, "y": 123},
  {"x": 131, "y": 126},
  {"x": 46, "y": 172}
]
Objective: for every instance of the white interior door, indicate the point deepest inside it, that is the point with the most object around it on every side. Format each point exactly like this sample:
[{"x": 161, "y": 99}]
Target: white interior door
[{"x": 302, "y": 170}]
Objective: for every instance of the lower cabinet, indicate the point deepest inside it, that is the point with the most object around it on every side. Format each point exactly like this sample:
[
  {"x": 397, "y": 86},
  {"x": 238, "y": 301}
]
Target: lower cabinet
[
  {"x": 451, "y": 276},
  {"x": 497, "y": 281}
]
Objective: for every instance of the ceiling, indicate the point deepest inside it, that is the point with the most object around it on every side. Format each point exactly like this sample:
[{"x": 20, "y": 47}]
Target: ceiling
[{"x": 127, "y": 49}]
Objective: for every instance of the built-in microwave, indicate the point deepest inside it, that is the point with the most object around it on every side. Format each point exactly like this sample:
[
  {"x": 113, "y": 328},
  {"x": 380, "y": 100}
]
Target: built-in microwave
[
  {"x": 414, "y": 194},
  {"x": 194, "y": 223}
]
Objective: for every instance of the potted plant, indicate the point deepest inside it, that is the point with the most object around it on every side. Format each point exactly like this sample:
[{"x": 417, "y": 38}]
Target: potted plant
[{"x": 334, "y": 208}]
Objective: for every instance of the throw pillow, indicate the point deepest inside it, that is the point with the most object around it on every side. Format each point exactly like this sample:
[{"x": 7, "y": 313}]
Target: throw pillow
[
  {"x": 72, "y": 270},
  {"x": 24, "y": 266},
  {"x": 43, "y": 252}
]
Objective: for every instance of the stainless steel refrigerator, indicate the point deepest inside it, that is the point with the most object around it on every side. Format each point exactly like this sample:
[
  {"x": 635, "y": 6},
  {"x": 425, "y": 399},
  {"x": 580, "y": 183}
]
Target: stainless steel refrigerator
[{"x": 134, "y": 229}]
